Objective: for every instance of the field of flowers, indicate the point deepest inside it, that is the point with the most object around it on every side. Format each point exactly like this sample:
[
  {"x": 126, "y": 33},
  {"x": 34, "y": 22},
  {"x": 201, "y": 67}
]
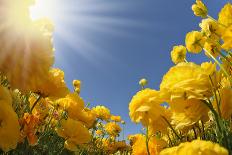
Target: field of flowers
[{"x": 191, "y": 113}]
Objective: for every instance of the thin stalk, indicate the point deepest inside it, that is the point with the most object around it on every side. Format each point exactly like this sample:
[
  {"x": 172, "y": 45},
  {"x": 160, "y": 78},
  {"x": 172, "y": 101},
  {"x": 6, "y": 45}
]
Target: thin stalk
[
  {"x": 195, "y": 133},
  {"x": 35, "y": 103},
  {"x": 221, "y": 54},
  {"x": 203, "y": 129},
  {"x": 216, "y": 98},
  {"x": 219, "y": 64},
  {"x": 174, "y": 131},
  {"x": 147, "y": 142},
  {"x": 215, "y": 20}
]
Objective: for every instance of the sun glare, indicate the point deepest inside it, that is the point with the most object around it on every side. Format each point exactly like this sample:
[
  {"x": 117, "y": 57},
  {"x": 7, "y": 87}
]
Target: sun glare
[{"x": 43, "y": 9}]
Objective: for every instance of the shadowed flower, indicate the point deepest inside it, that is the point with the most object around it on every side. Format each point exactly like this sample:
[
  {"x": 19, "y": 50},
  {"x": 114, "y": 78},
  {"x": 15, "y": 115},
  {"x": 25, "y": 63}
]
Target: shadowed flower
[{"x": 196, "y": 147}]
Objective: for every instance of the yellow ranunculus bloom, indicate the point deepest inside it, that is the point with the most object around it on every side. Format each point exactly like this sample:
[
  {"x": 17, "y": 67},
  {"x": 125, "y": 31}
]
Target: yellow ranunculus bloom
[
  {"x": 196, "y": 147},
  {"x": 26, "y": 46},
  {"x": 185, "y": 113},
  {"x": 211, "y": 29},
  {"x": 194, "y": 41},
  {"x": 199, "y": 9},
  {"x": 87, "y": 117},
  {"x": 9, "y": 127},
  {"x": 225, "y": 15},
  {"x": 77, "y": 86},
  {"x": 101, "y": 112},
  {"x": 113, "y": 129},
  {"x": 227, "y": 38},
  {"x": 115, "y": 118},
  {"x": 54, "y": 86},
  {"x": 186, "y": 81},
  {"x": 145, "y": 107},
  {"x": 73, "y": 131},
  {"x": 73, "y": 104},
  {"x": 178, "y": 54}
]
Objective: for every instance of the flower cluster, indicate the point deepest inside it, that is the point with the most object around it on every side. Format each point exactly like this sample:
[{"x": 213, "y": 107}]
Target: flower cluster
[
  {"x": 39, "y": 114},
  {"x": 191, "y": 112}
]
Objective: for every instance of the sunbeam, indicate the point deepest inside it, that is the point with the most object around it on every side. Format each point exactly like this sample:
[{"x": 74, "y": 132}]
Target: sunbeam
[{"x": 82, "y": 24}]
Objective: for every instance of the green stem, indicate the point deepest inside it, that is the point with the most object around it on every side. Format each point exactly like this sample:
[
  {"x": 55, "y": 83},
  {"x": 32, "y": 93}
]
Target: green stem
[
  {"x": 216, "y": 21},
  {"x": 174, "y": 131},
  {"x": 218, "y": 63},
  {"x": 216, "y": 98},
  {"x": 147, "y": 141},
  {"x": 195, "y": 133},
  {"x": 35, "y": 103},
  {"x": 225, "y": 58}
]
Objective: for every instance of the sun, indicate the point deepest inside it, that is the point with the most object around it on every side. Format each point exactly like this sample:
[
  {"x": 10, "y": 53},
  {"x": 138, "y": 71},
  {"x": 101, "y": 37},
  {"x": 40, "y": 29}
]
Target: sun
[{"x": 43, "y": 9}]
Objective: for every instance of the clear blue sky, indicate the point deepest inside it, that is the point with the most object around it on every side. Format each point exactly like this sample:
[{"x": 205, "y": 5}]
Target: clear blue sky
[{"x": 111, "y": 44}]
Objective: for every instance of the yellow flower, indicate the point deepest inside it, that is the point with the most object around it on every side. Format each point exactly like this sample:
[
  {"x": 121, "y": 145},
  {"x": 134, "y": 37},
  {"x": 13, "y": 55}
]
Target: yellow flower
[
  {"x": 211, "y": 29},
  {"x": 209, "y": 67},
  {"x": 74, "y": 132},
  {"x": 139, "y": 145},
  {"x": 194, "y": 41},
  {"x": 5, "y": 95},
  {"x": 143, "y": 82},
  {"x": 9, "y": 126},
  {"x": 213, "y": 48},
  {"x": 99, "y": 132},
  {"x": 196, "y": 147},
  {"x": 199, "y": 9},
  {"x": 186, "y": 81},
  {"x": 26, "y": 46},
  {"x": 178, "y": 54},
  {"x": 145, "y": 107},
  {"x": 113, "y": 129},
  {"x": 225, "y": 15},
  {"x": 115, "y": 118},
  {"x": 87, "y": 117},
  {"x": 102, "y": 112},
  {"x": 108, "y": 146},
  {"x": 73, "y": 104},
  {"x": 227, "y": 38},
  {"x": 54, "y": 86},
  {"x": 185, "y": 113},
  {"x": 77, "y": 86}
]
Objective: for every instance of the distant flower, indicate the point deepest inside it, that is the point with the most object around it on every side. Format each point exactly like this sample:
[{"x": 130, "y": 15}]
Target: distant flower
[
  {"x": 102, "y": 112},
  {"x": 178, "y": 54},
  {"x": 115, "y": 118},
  {"x": 194, "y": 41},
  {"x": 143, "y": 82},
  {"x": 199, "y": 9},
  {"x": 113, "y": 129}
]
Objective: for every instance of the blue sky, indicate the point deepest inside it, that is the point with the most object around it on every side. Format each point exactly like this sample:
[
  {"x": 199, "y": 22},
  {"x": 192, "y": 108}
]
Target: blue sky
[{"x": 110, "y": 45}]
